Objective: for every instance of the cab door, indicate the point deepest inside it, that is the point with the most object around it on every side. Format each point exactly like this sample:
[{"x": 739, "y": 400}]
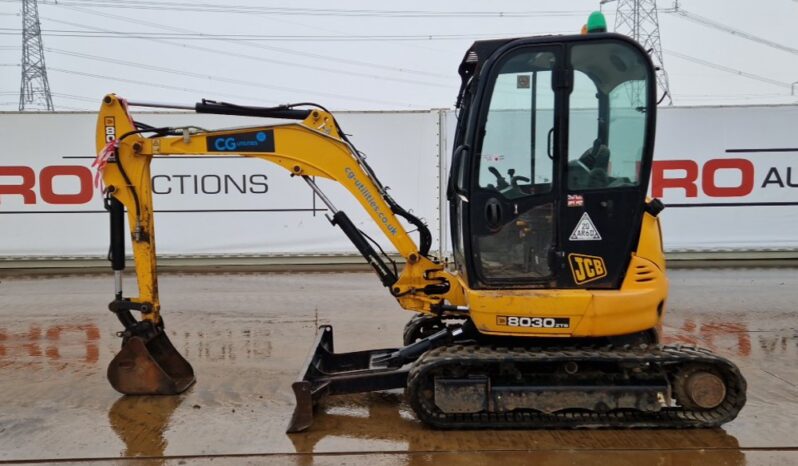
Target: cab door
[
  {"x": 559, "y": 149},
  {"x": 513, "y": 202},
  {"x": 608, "y": 157}
]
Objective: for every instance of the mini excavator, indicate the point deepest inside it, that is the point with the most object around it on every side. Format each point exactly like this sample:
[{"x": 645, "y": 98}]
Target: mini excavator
[{"x": 549, "y": 316}]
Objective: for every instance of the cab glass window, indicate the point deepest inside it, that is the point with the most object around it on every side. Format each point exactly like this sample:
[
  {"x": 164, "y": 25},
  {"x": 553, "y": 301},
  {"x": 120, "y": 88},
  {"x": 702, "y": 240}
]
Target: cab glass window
[
  {"x": 514, "y": 158},
  {"x": 607, "y": 116}
]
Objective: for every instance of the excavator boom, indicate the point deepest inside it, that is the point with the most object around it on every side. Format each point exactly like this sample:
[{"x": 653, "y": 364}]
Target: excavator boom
[{"x": 313, "y": 147}]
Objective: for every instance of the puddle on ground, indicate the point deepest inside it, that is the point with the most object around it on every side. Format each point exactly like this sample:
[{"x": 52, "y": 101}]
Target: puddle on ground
[{"x": 56, "y": 403}]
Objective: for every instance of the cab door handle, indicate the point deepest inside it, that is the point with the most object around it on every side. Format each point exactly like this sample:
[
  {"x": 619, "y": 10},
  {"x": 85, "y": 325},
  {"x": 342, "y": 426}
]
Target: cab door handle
[{"x": 493, "y": 213}]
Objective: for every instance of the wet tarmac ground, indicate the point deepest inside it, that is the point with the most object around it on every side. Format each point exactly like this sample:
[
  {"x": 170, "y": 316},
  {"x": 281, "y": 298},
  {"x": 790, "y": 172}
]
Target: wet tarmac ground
[{"x": 247, "y": 336}]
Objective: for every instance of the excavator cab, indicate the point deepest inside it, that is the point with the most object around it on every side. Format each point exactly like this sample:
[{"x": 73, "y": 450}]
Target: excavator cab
[{"x": 554, "y": 147}]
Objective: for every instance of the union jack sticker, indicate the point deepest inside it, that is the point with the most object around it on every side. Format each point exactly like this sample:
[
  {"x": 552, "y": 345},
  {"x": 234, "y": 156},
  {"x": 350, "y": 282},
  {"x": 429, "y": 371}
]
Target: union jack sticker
[{"x": 575, "y": 200}]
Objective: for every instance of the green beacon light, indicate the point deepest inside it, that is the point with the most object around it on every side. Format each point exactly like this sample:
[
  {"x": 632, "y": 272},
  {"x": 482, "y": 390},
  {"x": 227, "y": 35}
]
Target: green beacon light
[{"x": 596, "y": 22}]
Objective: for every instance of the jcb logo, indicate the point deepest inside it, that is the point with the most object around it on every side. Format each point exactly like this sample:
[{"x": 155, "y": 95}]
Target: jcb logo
[{"x": 586, "y": 268}]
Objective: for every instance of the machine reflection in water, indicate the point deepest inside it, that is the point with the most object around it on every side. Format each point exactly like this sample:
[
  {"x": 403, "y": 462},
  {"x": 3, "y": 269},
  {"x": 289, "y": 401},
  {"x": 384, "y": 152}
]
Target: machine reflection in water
[
  {"x": 385, "y": 423},
  {"x": 141, "y": 422}
]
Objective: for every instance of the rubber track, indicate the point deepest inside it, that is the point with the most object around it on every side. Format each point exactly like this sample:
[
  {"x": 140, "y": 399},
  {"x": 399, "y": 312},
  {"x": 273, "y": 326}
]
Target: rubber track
[{"x": 667, "y": 357}]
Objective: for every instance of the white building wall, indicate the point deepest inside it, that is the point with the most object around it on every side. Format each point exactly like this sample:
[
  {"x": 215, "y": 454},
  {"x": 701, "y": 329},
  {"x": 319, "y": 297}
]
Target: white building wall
[{"x": 740, "y": 192}]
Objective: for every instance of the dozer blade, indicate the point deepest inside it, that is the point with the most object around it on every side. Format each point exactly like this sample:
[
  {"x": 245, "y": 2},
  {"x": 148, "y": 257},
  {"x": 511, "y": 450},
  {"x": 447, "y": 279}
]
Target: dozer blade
[
  {"x": 304, "y": 393},
  {"x": 150, "y": 367},
  {"x": 327, "y": 373}
]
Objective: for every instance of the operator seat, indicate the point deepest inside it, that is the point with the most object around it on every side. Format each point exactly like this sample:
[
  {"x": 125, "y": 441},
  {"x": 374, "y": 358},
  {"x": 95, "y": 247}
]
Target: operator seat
[{"x": 590, "y": 169}]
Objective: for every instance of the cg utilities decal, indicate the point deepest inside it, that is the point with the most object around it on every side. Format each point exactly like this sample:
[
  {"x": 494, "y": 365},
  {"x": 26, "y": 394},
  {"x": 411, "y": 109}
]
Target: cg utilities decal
[
  {"x": 253, "y": 141},
  {"x": 370, "y": 200},
  {"x": 586, "y": 268}
]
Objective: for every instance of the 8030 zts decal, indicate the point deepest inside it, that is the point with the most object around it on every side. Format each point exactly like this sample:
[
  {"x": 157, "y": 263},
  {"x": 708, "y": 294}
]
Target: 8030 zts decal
[{"x": 534, "y": 322}]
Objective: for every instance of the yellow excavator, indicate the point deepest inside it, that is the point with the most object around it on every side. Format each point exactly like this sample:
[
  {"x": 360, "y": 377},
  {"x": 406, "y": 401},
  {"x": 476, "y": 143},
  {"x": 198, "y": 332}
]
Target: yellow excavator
[{"x": 549, "y": 316}]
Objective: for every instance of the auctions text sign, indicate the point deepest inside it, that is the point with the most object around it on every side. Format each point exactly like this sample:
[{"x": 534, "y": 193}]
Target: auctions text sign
[{"x": 203, "y": 204}]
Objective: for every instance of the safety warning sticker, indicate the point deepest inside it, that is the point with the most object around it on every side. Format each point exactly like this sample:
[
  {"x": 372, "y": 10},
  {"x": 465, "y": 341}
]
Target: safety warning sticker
[{"x": 585, "y": 230}]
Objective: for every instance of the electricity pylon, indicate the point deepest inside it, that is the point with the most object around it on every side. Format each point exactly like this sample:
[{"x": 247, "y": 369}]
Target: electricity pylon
[
  {"x": 638, "y": 19},
  {"x": 34, "y": 89}
]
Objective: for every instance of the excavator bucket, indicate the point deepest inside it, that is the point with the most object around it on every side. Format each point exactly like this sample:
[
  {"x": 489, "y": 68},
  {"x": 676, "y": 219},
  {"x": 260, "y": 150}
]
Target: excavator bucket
[{"x": 150, "y": 367}]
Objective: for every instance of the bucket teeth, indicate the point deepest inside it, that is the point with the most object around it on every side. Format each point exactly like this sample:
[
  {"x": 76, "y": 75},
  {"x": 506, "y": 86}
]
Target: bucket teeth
[{"x": 150, "y": 367}]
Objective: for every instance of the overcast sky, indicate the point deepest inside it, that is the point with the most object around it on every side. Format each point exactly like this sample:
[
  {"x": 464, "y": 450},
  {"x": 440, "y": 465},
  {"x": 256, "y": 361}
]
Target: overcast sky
[{"x": 395, "y": 55}]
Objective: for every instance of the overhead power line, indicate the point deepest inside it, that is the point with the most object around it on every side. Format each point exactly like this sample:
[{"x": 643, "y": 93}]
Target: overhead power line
[
  {"x": 270, "y": 61},
  {"x": 727, "y": 69},
  {"x": 81, "y": 98},
  {"x": 248, "y": 97},
  {"x": 282, "y": 49},
  {"x": 208, "y": 77},
  {"x": 293, "y": 11},
  {"x": 155, "y": 84},
  {"x": 62, "y": 107},
  {"x": 726, "y": 98},
  {"x": 680, "y": 13},
  {"x": 59, "y": 95},
  {"x": 260, "y": 37}
]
